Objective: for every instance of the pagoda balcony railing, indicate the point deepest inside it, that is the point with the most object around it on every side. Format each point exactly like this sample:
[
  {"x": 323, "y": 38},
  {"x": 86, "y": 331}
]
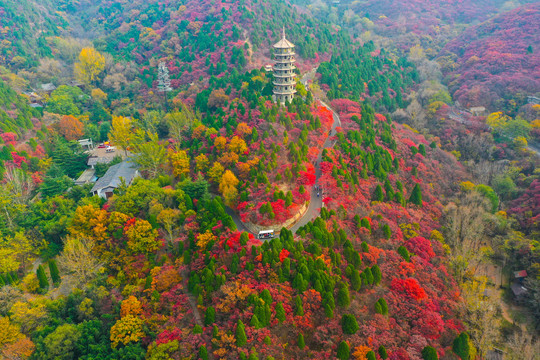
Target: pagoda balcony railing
[
  {"x": 279, "y": 66},
  {"x": 284, "y": 92},
  {"x": 283, "y": 53},
  {"x": 284, "y": 83},
  {"x": 285, "y": 60},
  {"x": 278, "y": 75}
]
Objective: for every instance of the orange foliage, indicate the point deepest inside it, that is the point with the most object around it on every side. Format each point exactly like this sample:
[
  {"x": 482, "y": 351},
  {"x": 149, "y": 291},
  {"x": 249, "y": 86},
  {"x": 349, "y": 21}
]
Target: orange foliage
[
  {"x": 90, "y": 221},
  {"x": 20, "y": 349},
  {"x": 220, "y": 143},
  {"x": 233, "y": 293},
  {"x": 243, "y": 169},
  {"x": 70, "y": 127},
  {"x": 199, "y": 131},
  {"x": 164, "y": 279},
  {"x": 243, "y": 129},
  {"x": 360, "y": 352},
  {"x": 130, "y": 306}
]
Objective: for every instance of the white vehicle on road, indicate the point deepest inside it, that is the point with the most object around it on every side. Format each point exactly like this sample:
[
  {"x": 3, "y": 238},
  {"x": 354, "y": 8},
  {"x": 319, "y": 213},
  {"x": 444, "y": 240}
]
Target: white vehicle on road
[{"x": 266, "y": 234}]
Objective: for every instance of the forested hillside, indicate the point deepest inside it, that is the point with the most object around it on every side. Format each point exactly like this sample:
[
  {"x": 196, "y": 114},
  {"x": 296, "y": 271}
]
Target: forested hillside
[
  {"x": 496, "y": 62},
  {"x": 27, "y": 29},
  {"x": 142, "y": 153}
]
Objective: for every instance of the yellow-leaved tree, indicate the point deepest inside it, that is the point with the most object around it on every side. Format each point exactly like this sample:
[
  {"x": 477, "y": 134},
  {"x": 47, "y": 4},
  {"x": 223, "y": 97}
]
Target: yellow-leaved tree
[
  {"x": 202, "y": 162},
  {"x": 91, "y": 64},
  {"x": 141, "y": 237},
  {"x": 130, "y": 326},
  {"x": 180, "y": 163},
  {"x": 497, "y": 121},
  {"x": 216, "y": 171},
  {"x": 130, "y": 306},
  {"x": 127, "y": 329},
  {"x": 79, "y": 258},
  {"x": 90, "y": 221},
  {"x": 13, "y": 344},
  {"x": 122, "y": 132},
  {"x": 204, "y": 239},
  {"x": 237, "y": 145},
  {"x": 227, "y": 187}
]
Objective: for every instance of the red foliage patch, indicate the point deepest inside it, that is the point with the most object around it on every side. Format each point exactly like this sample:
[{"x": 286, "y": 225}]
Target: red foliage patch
[{"x": 409, "y": 287}]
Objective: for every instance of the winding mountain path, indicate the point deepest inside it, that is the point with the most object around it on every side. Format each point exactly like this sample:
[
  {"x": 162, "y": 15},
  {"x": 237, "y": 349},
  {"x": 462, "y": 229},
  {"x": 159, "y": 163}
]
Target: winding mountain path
[{"x": 315, "y": 202}]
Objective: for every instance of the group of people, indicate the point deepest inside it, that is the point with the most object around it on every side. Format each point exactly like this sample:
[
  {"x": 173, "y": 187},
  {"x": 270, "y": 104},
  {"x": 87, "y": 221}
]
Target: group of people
[{"x": 318, "y": 189}]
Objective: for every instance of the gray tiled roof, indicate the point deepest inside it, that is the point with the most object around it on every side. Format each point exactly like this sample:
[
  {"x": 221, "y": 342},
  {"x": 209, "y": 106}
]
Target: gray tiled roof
[
  {"x": 94, "y": 160},
  {"x": 126, "y": 170}
]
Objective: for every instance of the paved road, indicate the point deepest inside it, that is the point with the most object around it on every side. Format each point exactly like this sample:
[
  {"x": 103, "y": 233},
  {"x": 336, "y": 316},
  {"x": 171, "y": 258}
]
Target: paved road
[
  {"x": 315, "y": 202},
  {"x": 535, "y": 148}
]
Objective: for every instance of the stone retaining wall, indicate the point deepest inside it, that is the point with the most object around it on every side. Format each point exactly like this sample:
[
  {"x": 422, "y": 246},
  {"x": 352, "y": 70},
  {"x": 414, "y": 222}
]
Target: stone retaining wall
[{"x": 255, "y": 228}]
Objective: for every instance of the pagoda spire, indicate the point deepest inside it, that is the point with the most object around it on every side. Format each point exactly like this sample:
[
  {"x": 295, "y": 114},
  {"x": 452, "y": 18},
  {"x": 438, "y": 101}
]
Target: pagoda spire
[{"x": 283, "y": 33}]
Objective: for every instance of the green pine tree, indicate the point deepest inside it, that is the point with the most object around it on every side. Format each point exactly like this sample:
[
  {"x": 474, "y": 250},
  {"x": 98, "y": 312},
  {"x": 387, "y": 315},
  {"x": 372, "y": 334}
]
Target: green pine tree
[
  {"x": 416, "y": 195},
  {"x": 343, "y": 351},
  {"x": 370, "y": 355},
  {"x": 378, "y": 308},
  {"x": 298, "y": 308},
  {"x": 301, "y": 342},
  {"x": 43, "y": 282},
  {"x": 461, "y": 346},
  {"x": 369, "y": 276},
  {"x": 280, "y": 312},
  {"x": 344, "y": 299},
  {"x": 209, "y": 316},
  {"x": 244, "y": 238},
  {"x": 255, "y": 322},
  {"x": 402, "y": 250},
  {"x": 383, "y": 353},
  {"x": 378, "y": 194},
  {"x": 429, "y": 353},
  {"x": 349, "y": 324},
  {"x": 328, "y": 311},
  {"x": 203, "y": 353},
  {"x": 364, "y": 246},
  {"x": 53, "y": 270},
  {"x": 384, "y": 306},
  {"x": 197, "y": 329},
  {"x": 241, "y": 338},
  {"x": 356, "y": 281},
  {"x": 377, "y": 274}
]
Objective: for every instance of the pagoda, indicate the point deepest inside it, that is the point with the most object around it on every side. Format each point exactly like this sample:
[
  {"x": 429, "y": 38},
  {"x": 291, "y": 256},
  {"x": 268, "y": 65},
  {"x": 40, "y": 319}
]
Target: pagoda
[{"x": 284, "y": 76}]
